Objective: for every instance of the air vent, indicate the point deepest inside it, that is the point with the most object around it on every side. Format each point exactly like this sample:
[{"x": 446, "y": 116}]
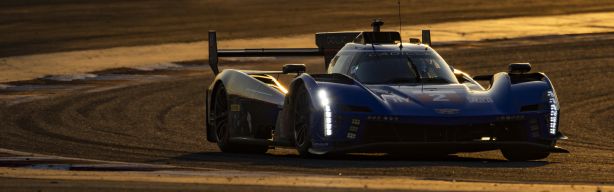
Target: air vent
[
  {"x": 264, "y": 79},
  {"x": 521, "y": 78},
  {"x": 333, "y": 78},
  {"x": 527, "y": 108}
]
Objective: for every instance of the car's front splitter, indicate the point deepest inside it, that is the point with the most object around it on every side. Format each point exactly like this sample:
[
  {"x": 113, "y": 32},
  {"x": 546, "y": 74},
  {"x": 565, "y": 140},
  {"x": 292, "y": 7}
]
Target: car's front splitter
[{"x": 442, "y": 147}]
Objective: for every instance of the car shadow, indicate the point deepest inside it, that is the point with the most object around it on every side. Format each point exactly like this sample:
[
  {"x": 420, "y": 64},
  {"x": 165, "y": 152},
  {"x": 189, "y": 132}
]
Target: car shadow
[{"x": 354, "y": 161}]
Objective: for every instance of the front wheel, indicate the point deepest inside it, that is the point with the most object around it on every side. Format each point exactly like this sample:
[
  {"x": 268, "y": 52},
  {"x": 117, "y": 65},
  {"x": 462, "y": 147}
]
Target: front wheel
[{"x": 301, "y": 114}]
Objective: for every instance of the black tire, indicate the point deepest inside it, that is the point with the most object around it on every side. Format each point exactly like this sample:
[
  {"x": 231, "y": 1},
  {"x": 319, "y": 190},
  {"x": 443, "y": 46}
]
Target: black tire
[
  {"x": 221, "y": 120},
  {"x": 301, "y": 114},
  {"x": 524, "y": 155}
]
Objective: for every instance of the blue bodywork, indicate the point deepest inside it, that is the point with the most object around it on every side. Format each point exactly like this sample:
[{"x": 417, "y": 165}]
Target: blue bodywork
[
  {"x": 416, "y": 107},
  {"x": 515, "y": 111}
]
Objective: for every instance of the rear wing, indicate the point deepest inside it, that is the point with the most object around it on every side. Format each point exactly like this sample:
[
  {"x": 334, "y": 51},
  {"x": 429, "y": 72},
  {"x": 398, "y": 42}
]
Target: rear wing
[{"x": 328, "y": 45}]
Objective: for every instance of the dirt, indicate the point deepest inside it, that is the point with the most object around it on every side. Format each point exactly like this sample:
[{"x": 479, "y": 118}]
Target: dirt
[
  {"x": 249, "y": 181},
  {"x": 19, "y": 68},
  {"x": 36, "y": 26}
]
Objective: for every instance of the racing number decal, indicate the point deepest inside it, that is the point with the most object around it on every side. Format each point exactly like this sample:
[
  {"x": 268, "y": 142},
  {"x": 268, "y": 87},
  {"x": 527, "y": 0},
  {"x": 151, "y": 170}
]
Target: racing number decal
[{"x": 439, "y": 97}]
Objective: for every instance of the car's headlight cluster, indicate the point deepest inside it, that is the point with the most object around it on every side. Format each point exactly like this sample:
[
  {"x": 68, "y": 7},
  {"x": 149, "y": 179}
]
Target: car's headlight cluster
[
  {"x": 328, "y": 115},
  {"x": 553, "y": 112}
]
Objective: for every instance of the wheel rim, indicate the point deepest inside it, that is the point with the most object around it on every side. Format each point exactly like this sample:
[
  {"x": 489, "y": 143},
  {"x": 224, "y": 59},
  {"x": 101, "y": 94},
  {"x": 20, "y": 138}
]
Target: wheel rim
[
  {"x": 301, "y": 120},
  {"x": 220, "y": 119}
]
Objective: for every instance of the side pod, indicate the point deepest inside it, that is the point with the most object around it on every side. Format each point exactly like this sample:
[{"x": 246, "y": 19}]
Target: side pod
[{"x": 254, "y": 105}]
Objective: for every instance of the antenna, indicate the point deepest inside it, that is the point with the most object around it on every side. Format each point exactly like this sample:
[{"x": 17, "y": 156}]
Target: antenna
[
  {"x": 400, "y": 24},
  {"x": 377, "y": 24}
]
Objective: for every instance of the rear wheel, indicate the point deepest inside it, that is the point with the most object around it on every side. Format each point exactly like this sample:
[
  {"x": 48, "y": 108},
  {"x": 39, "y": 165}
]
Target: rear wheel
[
  {"x": 302, "y": 110},
  {"x": 220, "y": 124},
  {"x": 524, "y": 155}
]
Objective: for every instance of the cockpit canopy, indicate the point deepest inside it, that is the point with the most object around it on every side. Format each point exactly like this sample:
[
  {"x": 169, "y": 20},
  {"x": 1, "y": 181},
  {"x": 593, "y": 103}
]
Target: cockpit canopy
[{"x": 393, "y": 67}]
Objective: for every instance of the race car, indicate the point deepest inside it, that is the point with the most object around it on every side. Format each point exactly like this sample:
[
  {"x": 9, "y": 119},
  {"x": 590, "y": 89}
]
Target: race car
[{"x": 379, "y": 95}]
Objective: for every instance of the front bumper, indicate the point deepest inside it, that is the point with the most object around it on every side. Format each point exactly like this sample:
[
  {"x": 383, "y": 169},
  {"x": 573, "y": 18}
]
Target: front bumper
[{"x": 371, "y": 134}]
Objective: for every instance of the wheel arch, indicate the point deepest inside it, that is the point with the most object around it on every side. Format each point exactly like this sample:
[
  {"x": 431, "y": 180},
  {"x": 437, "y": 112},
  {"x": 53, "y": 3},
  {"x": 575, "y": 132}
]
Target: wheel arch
[
  {"x": 209, "y": 108},
  {"x": 285, "y": 120}
]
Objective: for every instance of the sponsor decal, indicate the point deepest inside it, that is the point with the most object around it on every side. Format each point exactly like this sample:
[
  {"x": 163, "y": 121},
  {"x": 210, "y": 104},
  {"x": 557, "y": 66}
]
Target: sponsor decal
[
  {"x": 479, "y": 99},
  {"x": 510, "y": 118},
  {"x": 235, "y": 107},
  {"x": 439, "y": 97},
  {"x": 447, "y": 111},
  {"x": 388, "y": 98},
  {"x": 259, "y": 92},
  {"x": 385, "y": 118}
]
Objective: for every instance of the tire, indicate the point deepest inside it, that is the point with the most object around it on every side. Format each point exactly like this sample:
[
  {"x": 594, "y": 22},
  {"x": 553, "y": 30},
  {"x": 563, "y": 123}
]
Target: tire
[
  {"x": 220, "y": 126},
  {"x": 301, "y": 115},
  {"x": 524, "y": 155}
]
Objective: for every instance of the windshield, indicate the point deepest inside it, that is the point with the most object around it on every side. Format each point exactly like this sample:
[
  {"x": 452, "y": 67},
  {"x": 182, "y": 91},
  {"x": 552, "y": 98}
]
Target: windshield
[{"x": 391, "y": 68}]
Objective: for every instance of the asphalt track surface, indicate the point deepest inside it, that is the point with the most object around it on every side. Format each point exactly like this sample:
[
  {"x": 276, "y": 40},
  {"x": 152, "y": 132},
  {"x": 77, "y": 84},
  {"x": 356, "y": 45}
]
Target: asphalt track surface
[{"x": 163, "y": 122}]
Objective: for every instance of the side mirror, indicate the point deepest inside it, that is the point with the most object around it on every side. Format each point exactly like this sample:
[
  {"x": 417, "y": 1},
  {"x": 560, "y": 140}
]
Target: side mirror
[
  {"x": 294, "y": 68},
  {"x": 414, "y": 41},
  {"x": 519, "y": 68}
]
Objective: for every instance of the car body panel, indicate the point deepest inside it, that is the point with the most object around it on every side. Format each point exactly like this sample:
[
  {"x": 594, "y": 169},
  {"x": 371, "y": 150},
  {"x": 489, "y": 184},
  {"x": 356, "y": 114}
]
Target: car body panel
[{"x": 517, "y": 110}]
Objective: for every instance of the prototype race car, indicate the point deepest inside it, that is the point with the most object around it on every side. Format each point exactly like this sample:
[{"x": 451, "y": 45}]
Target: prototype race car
[{"x": 380, "y": 95}]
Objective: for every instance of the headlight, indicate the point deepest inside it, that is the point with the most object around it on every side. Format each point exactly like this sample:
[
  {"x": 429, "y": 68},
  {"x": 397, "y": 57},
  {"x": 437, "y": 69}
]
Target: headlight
[
  {"x": 328, "y": 115},
  {"x": 323, "y": 96},
  {"x": 553, "y": 112}
]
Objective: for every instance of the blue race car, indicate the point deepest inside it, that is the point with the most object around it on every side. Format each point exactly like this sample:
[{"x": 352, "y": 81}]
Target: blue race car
[{"x": 380, "y": 95}]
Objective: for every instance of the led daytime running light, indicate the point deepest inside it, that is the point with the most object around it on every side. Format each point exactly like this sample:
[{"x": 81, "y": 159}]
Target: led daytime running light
[
  {"x": 553, "y": 112},
  {"x": 328, "y": 115}
]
